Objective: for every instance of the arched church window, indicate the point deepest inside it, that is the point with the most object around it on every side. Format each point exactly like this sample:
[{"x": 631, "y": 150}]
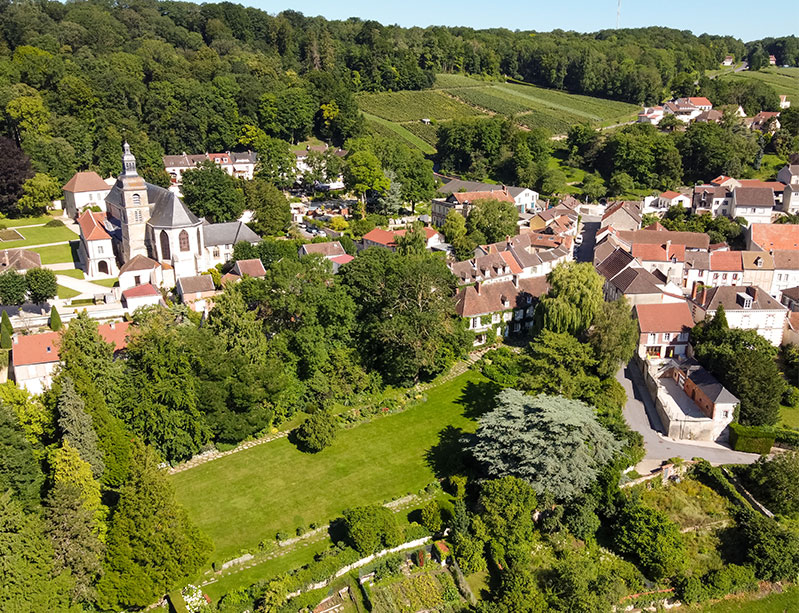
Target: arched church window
[
  {"x": 165, "y": 252},
  {"x": 136, "y": 199},
  {"x": 183, "y": 240}
]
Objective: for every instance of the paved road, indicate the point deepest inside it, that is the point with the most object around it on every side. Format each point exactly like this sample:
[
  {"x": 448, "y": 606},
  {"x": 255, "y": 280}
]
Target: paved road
[
  {"x": 641, "y": 416},
  {"x": 585, "y": 252}
]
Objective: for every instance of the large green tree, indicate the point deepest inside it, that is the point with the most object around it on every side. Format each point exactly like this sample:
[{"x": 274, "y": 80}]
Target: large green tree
[
  {"x": 496, "y": 220},
  {"x": 775, "y": 481},
  {"x": 555, "y": 444},
  {"x": 210, "y": 192},
  {"x": 650, "y": 538},
  {"x": 613, "y": 336},
  {"x": 271, "y": 210},
  {"x": 75, "y": 426},
  {"x": 42, "y": 285},
  {"x": 573, "y": 300},
  {"x": 152, "y": 544},
  {"x": 19, "y": 469}
]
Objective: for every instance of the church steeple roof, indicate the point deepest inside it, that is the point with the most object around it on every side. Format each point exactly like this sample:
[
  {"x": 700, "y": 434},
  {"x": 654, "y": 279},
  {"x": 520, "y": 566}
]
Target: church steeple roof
[{"x": 128, "y": 162}]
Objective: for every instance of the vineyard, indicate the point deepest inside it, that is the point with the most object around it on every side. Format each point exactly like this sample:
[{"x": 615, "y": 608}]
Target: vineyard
[
  {"x": 783, "y": 80},
  {"x": 399, "y": 114},
  {"x": 414, "y": 105}
]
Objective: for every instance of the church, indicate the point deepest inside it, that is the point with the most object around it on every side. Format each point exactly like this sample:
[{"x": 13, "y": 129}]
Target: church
[{"x": 148, "y": 235}]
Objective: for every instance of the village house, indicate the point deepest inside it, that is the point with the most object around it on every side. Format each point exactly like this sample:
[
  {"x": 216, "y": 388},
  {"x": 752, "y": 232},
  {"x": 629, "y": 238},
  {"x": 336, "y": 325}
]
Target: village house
[
  {"x": 764, "y": 121},
  {"x": 790, "y": 298},
  {"x": 84, "y": 190},
  {"x": 252, "y": 267},
  {"x": 34, "y": 357},
  {"x": 768, "y": 237},
  {"x": 496, "y": 310},
  {"x": 238, "y": 165},
  {"x": 772, "y": 60},
  {"x": 96, "y": 248},
  {"x": 746, "y": 308},
  {"x": 665, "y": 260},
  {"x": 784, "y": 102},
  {"x": 664, "y": 329},
  {"x": 786, "y": 270},
  {"x": 758, "y": 268},
  {"x": 518, "y": 257},
  {"x": 141, "y": 296},
  {"x": 332, "y": 251},
  {"x": 388, "y": 238},
  {"x": 525, "y": 199},
  {"x": 687, "y": 109},
  {"x": 713, "y": 199},
  {"x": 624, "y": 276},
  {"x": 651, "y": 115},
  {"x": 666, "y": 200},
  {"x": 622, "y": 216},
  {"x": 789, "y": 174},
  {"x": 196, "y": 292},
  {"x": 728, "y": 60},
  {"x": 19, "y": 260},
  {"x": 462, "y": 202}
]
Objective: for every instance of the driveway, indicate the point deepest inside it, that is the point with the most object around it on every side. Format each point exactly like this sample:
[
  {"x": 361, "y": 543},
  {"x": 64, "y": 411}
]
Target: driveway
[
  {"x": 590, "y": 226},
  {"x": 641, "y": 416}
]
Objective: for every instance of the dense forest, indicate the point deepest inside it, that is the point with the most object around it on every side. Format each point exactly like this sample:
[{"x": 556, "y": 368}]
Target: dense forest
[{"x": 77, "y": 78}]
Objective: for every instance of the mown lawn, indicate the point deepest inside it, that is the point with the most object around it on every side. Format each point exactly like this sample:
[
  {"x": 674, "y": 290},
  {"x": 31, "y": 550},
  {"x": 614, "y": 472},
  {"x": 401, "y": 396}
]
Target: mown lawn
[
  {"x": 75, "y": 273},
  {"x": 66, "y": 292},
  {"x": 40, "y": 235},
  {"x": 57, "y": 254},
  {"x": 107, "y": 282},
  {"x": 29, "y": 221},
  {"x": 251, "y": 495},
  {"x": 782, "y": 80}
]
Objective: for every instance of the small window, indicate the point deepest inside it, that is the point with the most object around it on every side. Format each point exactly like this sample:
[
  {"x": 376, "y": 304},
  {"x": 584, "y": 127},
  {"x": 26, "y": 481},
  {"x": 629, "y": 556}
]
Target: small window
[
  {"x": 137, "y": 217},
  {"x": 136, "y": 200},
  {"x": 667, "y": 336},
  {"x": 183, "y": 240},
  {"x": 100, "y": 250},
  {"x": 216, "y": 252}
]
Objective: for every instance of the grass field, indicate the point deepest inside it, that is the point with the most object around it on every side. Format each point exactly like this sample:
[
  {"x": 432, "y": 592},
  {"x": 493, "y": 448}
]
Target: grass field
[
  {"x": 251, "y": 495},
  {"x": 787, "y": 602},
  {"x": 39, "y": 235},
  {"x": 58, "y": 254},
  {"x": 65, "y": 292},
  {"x": 107, "y": 282},
  {"x": 29, "y": 221},
  {"x": 75, "y": 273},
  {"x": 783, "y": 80}
]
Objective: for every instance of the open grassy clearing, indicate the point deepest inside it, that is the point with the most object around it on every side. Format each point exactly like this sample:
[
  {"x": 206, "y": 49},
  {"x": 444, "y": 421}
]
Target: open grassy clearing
[
  {"x": 392, "y": 129},
  {"x": 29, "y": 221},
  {"x": 65, "y": 292},
  {"x": 249, "y": 496},
  {"x": 787, "y": 602},
  {"x": 770, "y": 165},
  {"x": 414, "y": 105},
  {"x": 59, "y": 254},
  {"x": 783, "y": 80},
  {"x": 40, "y": 235}
]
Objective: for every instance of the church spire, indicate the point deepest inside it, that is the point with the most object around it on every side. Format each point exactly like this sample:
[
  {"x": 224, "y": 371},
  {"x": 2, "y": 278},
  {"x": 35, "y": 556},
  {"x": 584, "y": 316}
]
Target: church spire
[{"x": 128, "y": 161}]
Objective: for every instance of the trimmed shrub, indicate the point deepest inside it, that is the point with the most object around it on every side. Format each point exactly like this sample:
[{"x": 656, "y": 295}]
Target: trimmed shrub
[
  {"x": 786, "y": 438},
  {"x": 751, "y": 439},
  {"x": 55, "y": 320},
  {"x": 54, "y": 223}
]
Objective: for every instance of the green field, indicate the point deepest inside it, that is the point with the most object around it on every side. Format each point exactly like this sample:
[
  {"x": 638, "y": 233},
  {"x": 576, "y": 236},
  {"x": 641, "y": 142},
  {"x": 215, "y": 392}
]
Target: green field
[
  {"x": 457, "y": 96},
  {"x": 249, "y": 496},
  {"x": 787, "y": 602},
  {"x": 75, "y": 273},
  {"x": 65, "y": 292},
  {"x": 392, "y": 129},
  {"x": 40, "y": 235},
  {"x": 414, "y": 105},
  {"x": 783, "y": 80},
  {"x": 58, "y": 254}
]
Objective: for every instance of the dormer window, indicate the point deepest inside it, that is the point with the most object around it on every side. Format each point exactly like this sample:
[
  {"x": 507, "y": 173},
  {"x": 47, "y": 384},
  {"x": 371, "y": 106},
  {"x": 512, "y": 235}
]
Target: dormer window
[{"x": 759, "y": 262}]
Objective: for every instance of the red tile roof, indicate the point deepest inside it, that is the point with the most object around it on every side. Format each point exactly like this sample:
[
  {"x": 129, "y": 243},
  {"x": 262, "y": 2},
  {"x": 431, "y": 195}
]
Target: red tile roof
[
  {"x": 381, "y": 237},
  {"x": 91, "y": 226},
  {"x": 700, "y": 101},
  {"x": 140, "y": 291},
  {"x": 498, "y": 194},
  {"x": 670, "y": 195},
  {"x": 658, "y": 253},
  {"x": 774, "y": 185},
  {"x": 342, "y": 259},
  {"x": 85, "y": 182},
  {"x": 511, "y": 262},
  {"x": 252, "y": 268},
  {"x": 666, "y": 317},
  {"x": 43, "y": 348},
  {"x": 726, "y": 260},
  {"x": 775, "y": 236}
]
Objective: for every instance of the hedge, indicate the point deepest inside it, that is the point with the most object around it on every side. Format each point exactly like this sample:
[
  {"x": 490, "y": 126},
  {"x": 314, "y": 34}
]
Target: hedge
[
  {"x": 787, "y": 438},
  {"x": 752, "y": 439}
]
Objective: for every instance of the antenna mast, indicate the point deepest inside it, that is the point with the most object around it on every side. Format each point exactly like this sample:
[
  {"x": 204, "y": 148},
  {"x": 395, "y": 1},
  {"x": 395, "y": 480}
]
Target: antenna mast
[{"x": 618, "y": 13}]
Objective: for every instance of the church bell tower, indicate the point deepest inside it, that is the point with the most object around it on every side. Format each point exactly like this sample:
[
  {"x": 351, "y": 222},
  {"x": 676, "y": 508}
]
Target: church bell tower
[{"x": 136, "y": 208}]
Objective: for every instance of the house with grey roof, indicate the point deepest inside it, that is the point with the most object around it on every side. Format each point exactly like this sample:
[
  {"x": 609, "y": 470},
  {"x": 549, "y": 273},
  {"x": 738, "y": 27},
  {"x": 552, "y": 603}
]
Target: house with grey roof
[
  {"x": 240, "y": 165},
  {"x": 152, "y": 226}
]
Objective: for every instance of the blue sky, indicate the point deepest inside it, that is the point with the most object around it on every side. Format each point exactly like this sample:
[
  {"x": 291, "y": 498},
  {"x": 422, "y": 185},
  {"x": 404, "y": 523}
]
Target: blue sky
[{"x": 735, "y": 17}]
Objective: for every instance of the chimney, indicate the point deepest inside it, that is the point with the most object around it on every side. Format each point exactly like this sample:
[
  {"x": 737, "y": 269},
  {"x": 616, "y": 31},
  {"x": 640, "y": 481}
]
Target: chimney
[
  {"x": 516, "y": 281},
  {"x": 668, "y": 248},
  {"x": 702, "y": 297},
  {"x": 693, "y": 291}
]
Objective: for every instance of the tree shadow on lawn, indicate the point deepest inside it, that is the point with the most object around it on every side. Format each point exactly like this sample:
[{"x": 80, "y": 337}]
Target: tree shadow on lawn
[
  {"x": 478, "y": 398},
  {"x": 451, "y": 455}
]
